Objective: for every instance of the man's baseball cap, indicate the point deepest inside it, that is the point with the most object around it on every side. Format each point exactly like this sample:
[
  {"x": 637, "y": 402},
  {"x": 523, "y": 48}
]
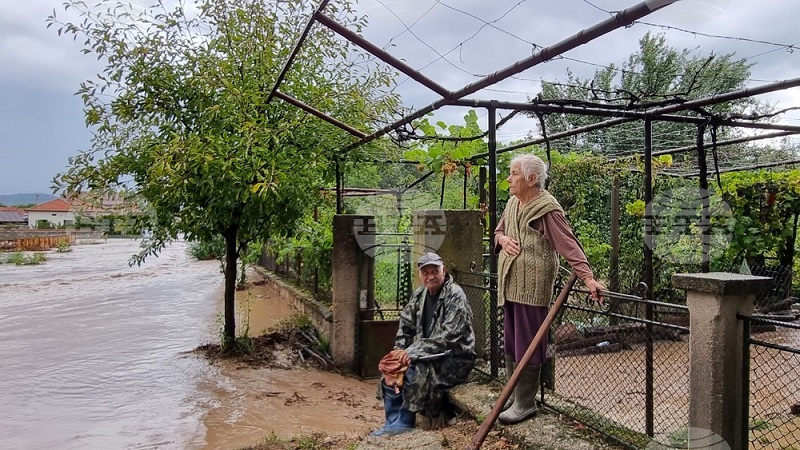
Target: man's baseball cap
[{"x": 428, "y": 259}]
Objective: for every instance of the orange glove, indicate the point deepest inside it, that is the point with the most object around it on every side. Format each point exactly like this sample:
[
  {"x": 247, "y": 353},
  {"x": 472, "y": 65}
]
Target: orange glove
[{"x": 393, "y": 366}]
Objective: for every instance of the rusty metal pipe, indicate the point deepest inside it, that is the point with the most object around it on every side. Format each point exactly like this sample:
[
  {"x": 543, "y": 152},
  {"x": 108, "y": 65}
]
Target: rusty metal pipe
[
  {"x": 486, "y": 426},
  {"x": 315, "y": 112},
  {"x": 382, "y": 55},
  {"x": 296, "y": 50},
  {"x": 618, "y": 20}
]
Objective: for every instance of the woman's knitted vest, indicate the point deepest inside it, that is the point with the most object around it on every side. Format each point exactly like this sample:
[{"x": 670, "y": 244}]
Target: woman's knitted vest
[{"x": 528, "y": 277}]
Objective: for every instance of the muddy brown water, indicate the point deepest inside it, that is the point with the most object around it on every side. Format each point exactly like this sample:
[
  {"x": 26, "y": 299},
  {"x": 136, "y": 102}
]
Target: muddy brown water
[{"x": 97, "y": 354}]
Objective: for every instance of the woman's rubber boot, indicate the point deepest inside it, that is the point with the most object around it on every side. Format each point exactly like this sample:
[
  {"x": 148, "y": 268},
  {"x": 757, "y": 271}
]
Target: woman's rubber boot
[
  {"x": 524, "y": 406},
  {"x": 511, "y": 365}
]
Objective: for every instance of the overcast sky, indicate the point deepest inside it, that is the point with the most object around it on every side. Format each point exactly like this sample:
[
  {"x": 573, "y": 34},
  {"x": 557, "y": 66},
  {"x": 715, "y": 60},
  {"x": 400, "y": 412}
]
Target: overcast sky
[{"x": 454, "y": 42}]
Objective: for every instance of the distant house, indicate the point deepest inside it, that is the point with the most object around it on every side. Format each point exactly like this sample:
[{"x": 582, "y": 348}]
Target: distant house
[
  {"x": 93, "y": 207},
  {"x": 12, "y": 216},
  {"x": 57, "y": 212},
  {"x": 76, "y": 209}
]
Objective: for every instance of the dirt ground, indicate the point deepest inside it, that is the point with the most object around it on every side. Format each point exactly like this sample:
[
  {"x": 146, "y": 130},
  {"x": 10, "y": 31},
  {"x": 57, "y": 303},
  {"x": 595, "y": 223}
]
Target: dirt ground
[
  {"x": 285, "y": 395},
  {"x": 283, "y": 401}
]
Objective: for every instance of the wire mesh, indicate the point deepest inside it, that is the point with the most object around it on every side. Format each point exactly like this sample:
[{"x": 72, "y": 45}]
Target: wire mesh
[
  {"x": 774, "y": 410},
  {"x": 602, "y": 374},
  {"x": 314, "y": 276},
  {"x": 776, "y": 298},
  {"x": 482, "y": 298},
  {"x": 392, "y": 273}
]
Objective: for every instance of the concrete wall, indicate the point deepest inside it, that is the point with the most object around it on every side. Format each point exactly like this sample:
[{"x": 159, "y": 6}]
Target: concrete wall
[
  {"x": 303, "y": 302},
  {"x": 456, "y": 235},
  {"x": 353, "y": 283}
]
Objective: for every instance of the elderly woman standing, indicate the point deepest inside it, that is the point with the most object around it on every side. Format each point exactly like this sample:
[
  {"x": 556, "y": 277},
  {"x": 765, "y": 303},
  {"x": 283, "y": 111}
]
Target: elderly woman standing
[{"x": 528, "y": 237}]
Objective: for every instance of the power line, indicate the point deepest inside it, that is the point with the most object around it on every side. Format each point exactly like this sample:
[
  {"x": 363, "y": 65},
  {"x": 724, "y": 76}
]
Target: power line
[
  {"x": 617, "y": 69},
  {"x": 718, "y": 36},
  {"x": 461, "y": 44},
  {"x": 597, "y": 7},
  {"x": 790, "y": 49},
  {"x": 490, "y": 23},
  {"x": 408, "y": 29}
]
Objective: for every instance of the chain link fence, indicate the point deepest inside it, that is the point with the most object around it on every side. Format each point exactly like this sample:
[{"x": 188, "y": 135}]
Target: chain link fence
[
  {"x": 773, "y": 352},
  {"x": 393, "y": 282},
  {"x": 622, "y": 369},
  {"x": 487, "y": 320}
]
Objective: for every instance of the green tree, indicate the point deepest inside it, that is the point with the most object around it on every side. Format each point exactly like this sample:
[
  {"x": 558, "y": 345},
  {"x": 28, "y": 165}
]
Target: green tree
[
  {"x": 656, "y": 74},
  {"x": 181, "y": 120},
  {"x": 446, "y": 150}
]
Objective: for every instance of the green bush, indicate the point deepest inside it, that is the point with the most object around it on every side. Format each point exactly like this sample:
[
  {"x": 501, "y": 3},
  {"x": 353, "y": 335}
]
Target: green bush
[
  {"x": 206, "y": 250},
  {"x": 63, "y": 246},
  {"x": 21, "y": 259}
]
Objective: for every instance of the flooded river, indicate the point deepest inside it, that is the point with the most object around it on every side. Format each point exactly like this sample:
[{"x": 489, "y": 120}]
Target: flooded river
[
  {"x": 95, "y": 354},
  {"x": 93, "y": 351}
]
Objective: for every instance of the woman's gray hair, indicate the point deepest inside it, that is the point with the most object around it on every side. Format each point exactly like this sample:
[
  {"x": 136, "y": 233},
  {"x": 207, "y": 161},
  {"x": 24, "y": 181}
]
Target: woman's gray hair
[{"x": 532, "y": 165}]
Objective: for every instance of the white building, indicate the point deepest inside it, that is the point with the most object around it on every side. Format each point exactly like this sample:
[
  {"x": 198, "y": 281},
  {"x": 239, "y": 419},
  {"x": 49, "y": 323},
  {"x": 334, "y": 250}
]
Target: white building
[{"x": 58, "y": 212}]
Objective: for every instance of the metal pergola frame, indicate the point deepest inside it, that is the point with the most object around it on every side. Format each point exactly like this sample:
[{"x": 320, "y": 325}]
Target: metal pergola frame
[{"x": 457, "y": 98}]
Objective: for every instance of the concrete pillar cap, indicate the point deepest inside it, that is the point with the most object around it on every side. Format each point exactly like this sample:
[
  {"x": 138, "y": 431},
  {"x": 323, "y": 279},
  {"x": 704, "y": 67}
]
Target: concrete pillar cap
[{"x": 721, "y": 283}]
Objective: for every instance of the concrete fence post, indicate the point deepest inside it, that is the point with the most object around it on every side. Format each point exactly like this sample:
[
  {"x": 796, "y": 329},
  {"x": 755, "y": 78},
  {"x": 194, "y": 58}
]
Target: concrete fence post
[
  {"x": 456, "y": 236},
  {"x": 353, "y": 279},
  {"x": 716, "y": 340}
]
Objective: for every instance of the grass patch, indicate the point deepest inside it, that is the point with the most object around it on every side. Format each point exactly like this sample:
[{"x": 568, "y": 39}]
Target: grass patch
[
  {"x": 208, "y": 250},
  {"x": 316, "y": 441},
  {"x": 612, "y": 430},
  {"x": 63, "y": 246},
  {"x": 761, "y": 425}
]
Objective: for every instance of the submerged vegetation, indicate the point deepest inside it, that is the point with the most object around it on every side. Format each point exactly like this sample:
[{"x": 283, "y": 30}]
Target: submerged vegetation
[
  {"x": 23, "y": 259},
  {"x": 291, "y": 342}
]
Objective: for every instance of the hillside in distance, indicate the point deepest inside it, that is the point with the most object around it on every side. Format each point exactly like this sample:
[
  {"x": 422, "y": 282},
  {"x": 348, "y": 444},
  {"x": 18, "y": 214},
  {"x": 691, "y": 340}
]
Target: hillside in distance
[{"x": 25, "y": 199}]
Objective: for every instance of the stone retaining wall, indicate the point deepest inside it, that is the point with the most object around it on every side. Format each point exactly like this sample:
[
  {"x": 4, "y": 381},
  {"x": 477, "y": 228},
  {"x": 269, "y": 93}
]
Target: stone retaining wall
[{"x": 302, "y": 301}]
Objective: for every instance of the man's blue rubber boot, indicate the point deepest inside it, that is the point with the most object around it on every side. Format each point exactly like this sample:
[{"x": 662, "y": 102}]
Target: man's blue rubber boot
[{"x": 398, "y": 419}]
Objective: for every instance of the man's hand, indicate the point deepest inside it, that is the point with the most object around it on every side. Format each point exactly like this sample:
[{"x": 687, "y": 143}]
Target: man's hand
[
  {"x": 400, "y": 355},
  {"x": 510, "y": 245},
  {"x": 393, "y": 366},
  {"x": 596, "y": 290}
]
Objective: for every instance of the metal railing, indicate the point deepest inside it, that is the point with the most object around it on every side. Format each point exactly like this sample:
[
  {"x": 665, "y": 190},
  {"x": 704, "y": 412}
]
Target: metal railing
[{"x": 621, "y": 369}]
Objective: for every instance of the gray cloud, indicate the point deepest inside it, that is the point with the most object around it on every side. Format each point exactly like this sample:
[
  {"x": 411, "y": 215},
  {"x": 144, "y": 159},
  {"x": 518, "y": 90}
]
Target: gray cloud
[
  {"x": 41, "y": 122},
  {"x": 546, "y": 23}
]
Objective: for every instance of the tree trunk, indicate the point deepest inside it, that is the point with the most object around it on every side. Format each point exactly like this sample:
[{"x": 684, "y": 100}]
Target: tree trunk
[{"x": 229, "y": 335}]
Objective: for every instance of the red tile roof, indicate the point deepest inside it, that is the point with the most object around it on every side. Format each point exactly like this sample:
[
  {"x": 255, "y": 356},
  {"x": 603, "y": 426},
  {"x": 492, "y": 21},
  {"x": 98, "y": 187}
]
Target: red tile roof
[{"x": 56, "y": 205}]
